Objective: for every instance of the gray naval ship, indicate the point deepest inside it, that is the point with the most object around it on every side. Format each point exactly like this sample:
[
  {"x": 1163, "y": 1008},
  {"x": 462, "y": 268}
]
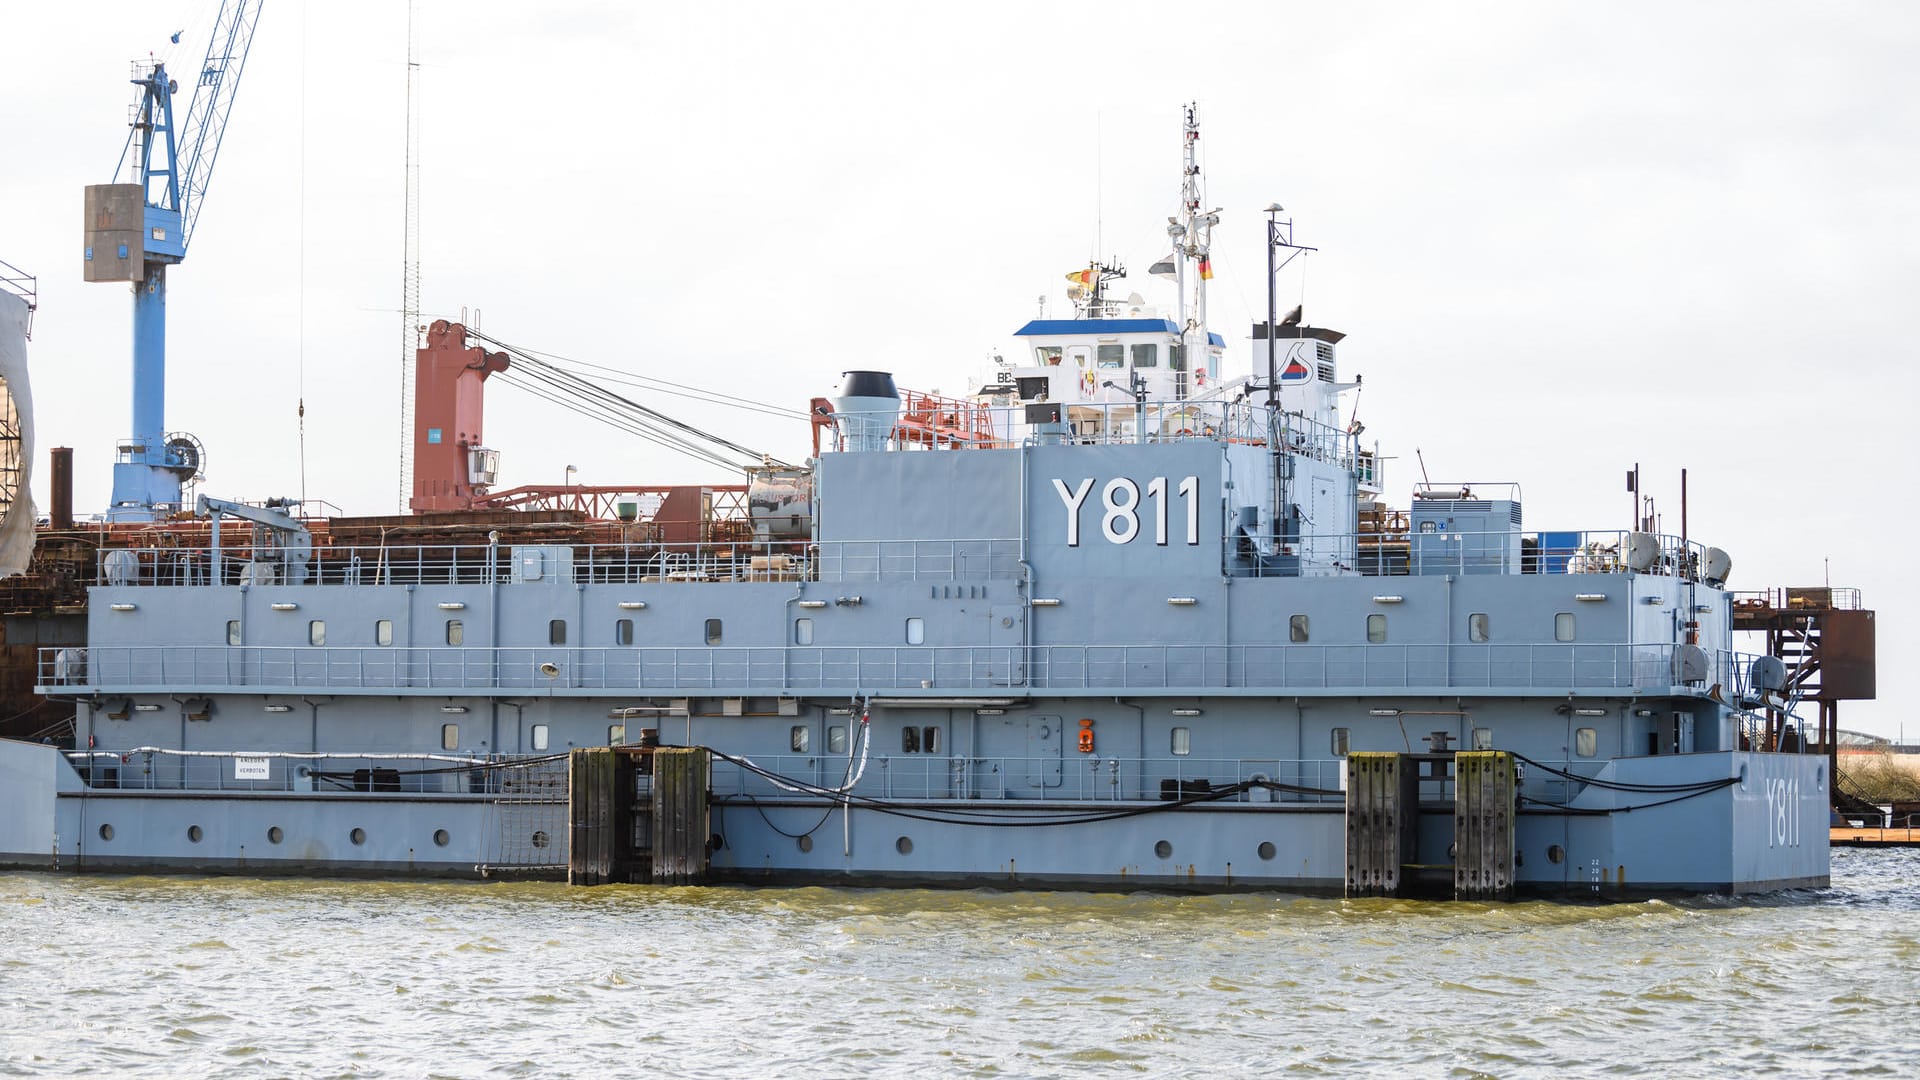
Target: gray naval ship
[{"x": 1113, "y": 622}]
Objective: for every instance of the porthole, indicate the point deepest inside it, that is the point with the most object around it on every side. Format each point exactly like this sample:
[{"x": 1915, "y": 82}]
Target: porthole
[
  {"x": 358, "y": 836},
  {"x": 1819, "y": 778},
  {"x": 716, "y": 842},
  {"x": 1556, "y": 854},
  {"x": 194, "y": 834},
  {"x": 804, "y": 843},
  {"x": 275, "y": 835},
  {"x": 904, "y": 845},
  {"x": 106, "y": 832},
  {"x": 541, "y": 839},
  {"x": 1743, "y": 776},
  {"x": 1163, "y": 849},
  {"x": 1266, "y": 849},
  {"x": 440, "y": 838}
]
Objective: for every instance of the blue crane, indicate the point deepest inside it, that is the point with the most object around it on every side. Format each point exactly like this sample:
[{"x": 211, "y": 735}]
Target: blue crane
[{"x": 134, "y": 231}]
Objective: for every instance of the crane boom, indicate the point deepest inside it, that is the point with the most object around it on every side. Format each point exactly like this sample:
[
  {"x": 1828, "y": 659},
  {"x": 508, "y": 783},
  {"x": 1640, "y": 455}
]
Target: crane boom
[{"x": 135, "y": 230}]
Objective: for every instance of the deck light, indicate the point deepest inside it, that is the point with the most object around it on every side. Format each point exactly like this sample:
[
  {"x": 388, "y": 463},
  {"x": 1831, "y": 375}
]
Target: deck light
[
  {"x": 1045, "y": 601},
  {"x": 1589, "y": 712},
  {"x": 453, "y": 710},
  {"x": 1389, "y": 599},
  {"x": 148, "y": 707},
  {"x": 810, "y": 604},
  {"x": 1182, "y": 601},
  {"x": 1589, "y": 596},
  {"x": 1186, "y": 712},
  {"x": 633, "y": 605},
  {"x": 989, "y": 712},
  {"x": 284, "y": 607},
  {"x": 279, "y": 708},
  {"x": 123, "y": 607},
  {"x": 453, "y": 605},
  {"x": 1383, "y": 712}
]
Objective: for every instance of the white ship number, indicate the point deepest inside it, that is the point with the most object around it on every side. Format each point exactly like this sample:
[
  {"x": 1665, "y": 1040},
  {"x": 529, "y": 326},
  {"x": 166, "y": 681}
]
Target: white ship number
[
  {"x": 1783, "y": 812},
  {"x": 1121, "y": 499}
]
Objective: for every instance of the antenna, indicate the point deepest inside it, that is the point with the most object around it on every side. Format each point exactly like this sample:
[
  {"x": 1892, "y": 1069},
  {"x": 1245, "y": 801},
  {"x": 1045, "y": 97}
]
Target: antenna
[
  {"x": 1423, "y": 467},
  {"x": 410, "y": 271}
]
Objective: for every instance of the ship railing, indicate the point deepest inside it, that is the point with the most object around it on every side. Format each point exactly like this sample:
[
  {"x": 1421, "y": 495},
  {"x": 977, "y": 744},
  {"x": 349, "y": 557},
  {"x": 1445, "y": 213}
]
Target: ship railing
[
  {"x": 509, "y": 778},
  {"x": 591, "y": 564},
  {"x": 1113, "y": 423},
  {"x": 1408, "y": 552},
  {"x": 1096, "y": 778},
  {"x": 1072, "y": 777},
  {"x": 1811, "y": 599},
  {"x": 811, "y": 669}
]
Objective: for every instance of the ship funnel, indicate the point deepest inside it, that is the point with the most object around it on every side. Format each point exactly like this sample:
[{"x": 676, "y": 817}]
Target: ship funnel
[{"x": 867, "y": 408}]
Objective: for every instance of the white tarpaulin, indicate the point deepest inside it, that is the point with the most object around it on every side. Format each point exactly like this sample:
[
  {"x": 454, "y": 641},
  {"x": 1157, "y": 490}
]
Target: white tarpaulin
[{"x": 16, "y": 528}]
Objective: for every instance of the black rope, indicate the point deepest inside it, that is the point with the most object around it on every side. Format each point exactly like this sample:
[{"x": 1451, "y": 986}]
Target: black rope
[
  {"x": 1596, "y": 811},
  {"x": 1620, "y": 785}
]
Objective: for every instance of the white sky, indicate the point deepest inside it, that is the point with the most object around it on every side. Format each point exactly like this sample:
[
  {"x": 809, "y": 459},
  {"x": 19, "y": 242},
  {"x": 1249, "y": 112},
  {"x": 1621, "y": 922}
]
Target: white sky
[{"x": 1563, "y": 237}]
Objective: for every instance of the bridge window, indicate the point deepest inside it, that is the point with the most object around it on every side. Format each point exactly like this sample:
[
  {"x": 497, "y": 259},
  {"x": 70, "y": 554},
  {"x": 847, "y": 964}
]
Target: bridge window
[
  {"x": 456, "y": 632},
  {"x": 1477, "y": 627},
  {"x": 916, "y": 631},
  {"x": 1112, "y": 356},
  {"x": 383, "y": 632},
  {"x": 616, "y": 734},
  {"x": 317, "y": 632},
  {"x": 1342, "y": 738},
  {"x": 713, "y": 631},
  {"x": 1181, "y": 744},
  {"x": 910, "y": 740},
  {"x": 1376, "y": 628},
  {"x": 233, "y": 631},
  {"x": 449, "y": 736},
  {"x": 556, "y": 631},
  {"x": 930, "y": 740},
  {"x": 1147, "y": 355},
  {"x": 1297, "y": 628},
  {"x": 1586, "y": 741},
  {"x": 1048, "y": 355},
  {"x": 539, "y": 736},
  {"x": 799, "y": 738},
  {"x": 803, "y": 631},
  {"x": 1563, "y": 626},
  {"x": 623, "y": 631},
  {"x": 837, "y": 739}
]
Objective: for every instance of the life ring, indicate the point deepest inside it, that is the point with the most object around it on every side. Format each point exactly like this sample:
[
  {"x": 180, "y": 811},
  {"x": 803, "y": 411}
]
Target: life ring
[
  {"x": 1183, "y": 433},
  {"x": 1200, "y": 376}
]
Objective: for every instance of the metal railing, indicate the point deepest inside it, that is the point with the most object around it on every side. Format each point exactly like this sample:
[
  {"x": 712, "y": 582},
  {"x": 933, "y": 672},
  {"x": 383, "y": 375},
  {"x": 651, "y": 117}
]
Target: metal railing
[
  {"x": 986, "y": 669},
  {"x": 160, "y": 769},
  {"x": 1070, "y": 777},
  {"x": 593, "y": 564},
  {"x": 1412, "y": 553},
  {"x": 1124, "y": 422}
]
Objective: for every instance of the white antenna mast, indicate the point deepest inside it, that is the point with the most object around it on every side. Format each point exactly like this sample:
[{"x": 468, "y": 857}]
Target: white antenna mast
[{"x": 410, "y": 273}]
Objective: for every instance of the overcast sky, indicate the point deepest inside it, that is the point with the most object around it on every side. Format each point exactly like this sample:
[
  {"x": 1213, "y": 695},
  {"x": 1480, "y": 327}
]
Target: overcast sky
[{"x": 1564, "y": 238}]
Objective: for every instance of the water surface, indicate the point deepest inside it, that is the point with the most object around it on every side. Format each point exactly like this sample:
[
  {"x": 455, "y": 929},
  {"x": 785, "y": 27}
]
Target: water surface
[{"x": 188, "y": 976}]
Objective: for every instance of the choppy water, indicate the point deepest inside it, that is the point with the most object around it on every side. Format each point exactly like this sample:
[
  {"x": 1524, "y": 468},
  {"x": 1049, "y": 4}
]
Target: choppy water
[{"x": 148, "y": 976}]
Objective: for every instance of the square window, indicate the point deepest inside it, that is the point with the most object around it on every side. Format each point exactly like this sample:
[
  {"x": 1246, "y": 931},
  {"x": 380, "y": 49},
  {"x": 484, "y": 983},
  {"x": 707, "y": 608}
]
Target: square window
[
  {"x": 916, "y": 631},
  {"x": 1341, "y": 740},
  {"x": 539, "y": 739},
  {"x": 1048, "y": 355},
  {"x": 317, "y": 632},
  {"x": 910, "y": 740},
  {"x": 383, "y": 632},
  {"x": 1483, "y": 738},
  {"x": 837, "y": 739},
  {"x": 449, "y": 736},
  {"x": 233, "y": 631},
  {"x": 1563, "y": 626},
  {"x": 1182, "y": 742},
  {"x": 1147, "y": 355},
  {"x": 1112, "y": 356},
  {"x": 1586, "y": 741},
  {"x": 799, "y": 738},
  {"x": 556, "y": 631},
  {"x": 1297, "y": 628},
  {"x": 456, "y": 632},
  {"x": 616, "y": 734},
  {"x": 803, "y": 631},
  {"x": 623, "y": 631},
  {"x": 1477, "y": 627},
  {"x": 930, "y": 740},
  {"x": 713, "y": 631},
  {"x": 1376, "y": 628}
]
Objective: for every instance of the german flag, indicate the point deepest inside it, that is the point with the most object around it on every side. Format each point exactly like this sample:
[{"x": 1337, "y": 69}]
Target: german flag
[{"x": 1206, "y": 268}]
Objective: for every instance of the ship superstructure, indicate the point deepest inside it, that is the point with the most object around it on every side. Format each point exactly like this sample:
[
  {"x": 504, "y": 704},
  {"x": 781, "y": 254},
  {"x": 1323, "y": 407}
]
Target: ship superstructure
[{"x": 1116, "y": 622}]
